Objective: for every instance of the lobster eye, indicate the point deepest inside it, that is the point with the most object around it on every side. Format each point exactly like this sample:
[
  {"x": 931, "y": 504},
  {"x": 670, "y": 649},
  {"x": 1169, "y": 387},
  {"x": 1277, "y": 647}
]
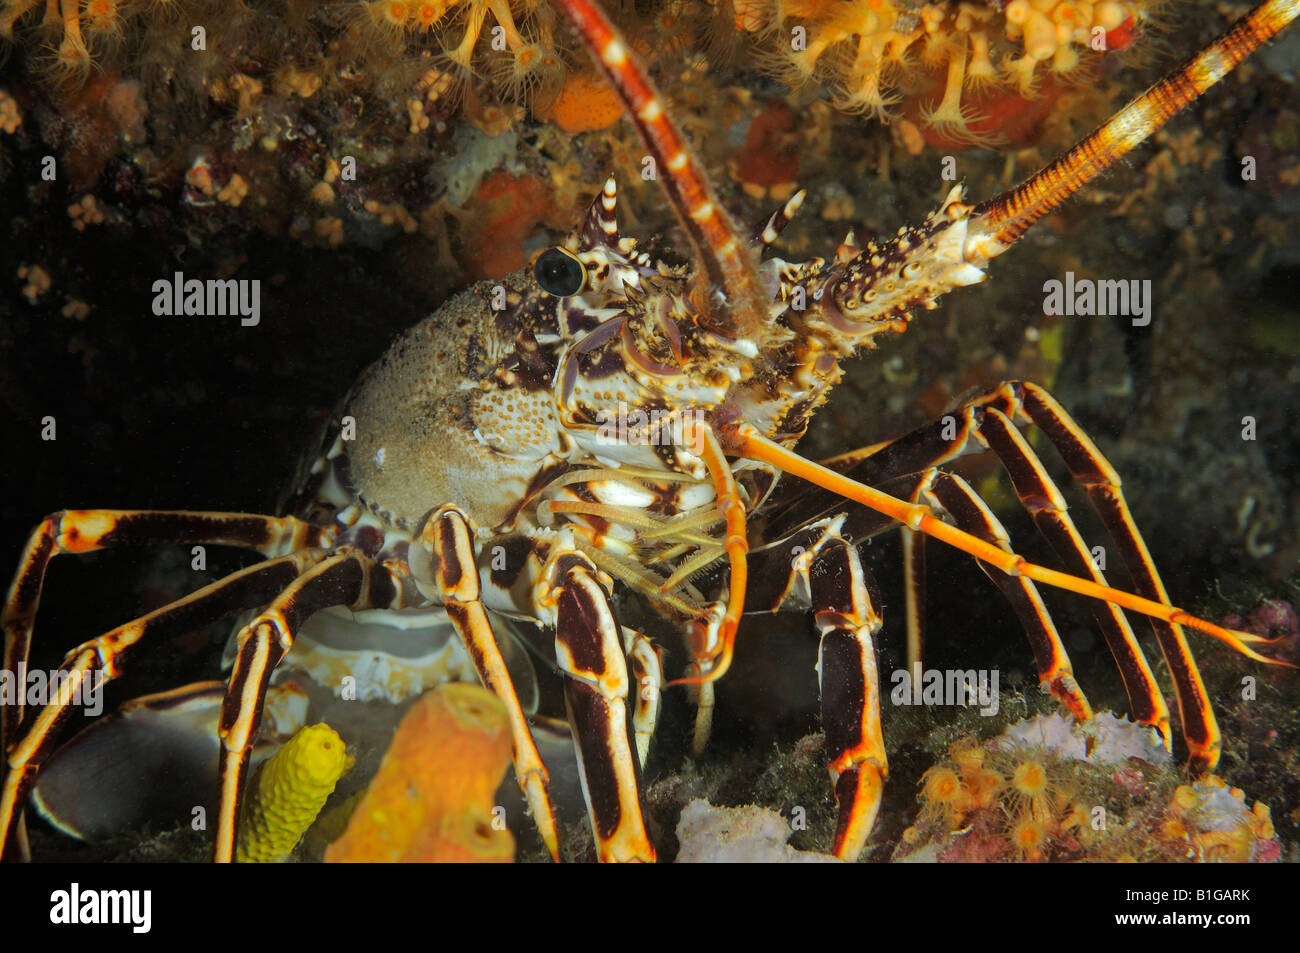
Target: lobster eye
[{"x": 560, "y": 273}]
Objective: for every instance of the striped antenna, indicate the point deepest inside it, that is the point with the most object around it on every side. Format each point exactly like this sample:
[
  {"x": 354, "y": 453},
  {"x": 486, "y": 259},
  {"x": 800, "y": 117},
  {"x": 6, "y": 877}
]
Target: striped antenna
[
  {"x": 1006, "y": 217},
  {"x": 601, "y": 226},
  {"x": 726, "y": 260},
  {"x": 769, "y": 230}
]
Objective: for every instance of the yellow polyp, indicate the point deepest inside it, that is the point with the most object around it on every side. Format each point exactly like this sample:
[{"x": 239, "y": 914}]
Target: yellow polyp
[
  {"x": 981, "y": 70},
  {"x": 433, "y": 798},
  {"x": 395, "y": 13},
  {"x": 950, "y": 112},
  {"x": 1030, "y": 779},
  {"x": 1022, "y": 73},
  {"x": 428, "y": 12},
  {"x": 941, "y": 785},
  {"x": 289, "y": 792},
  {"x": 1028, "y": 837},
  {"x": 1109, "y": 16},
  {"x": 1019, "y": 12},
  {"x": 103, "y": 16}
]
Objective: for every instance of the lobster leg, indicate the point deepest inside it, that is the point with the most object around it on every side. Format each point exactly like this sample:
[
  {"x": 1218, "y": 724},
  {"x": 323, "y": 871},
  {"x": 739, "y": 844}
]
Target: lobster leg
[
  {"x": 748, "y": 442},
  {"x": 973, "y": 514},
  {"x": 1053, "y": 663},
  {"x": 987, "y": 423},
  {"x": 106, "y": 655},
  {"x": 956, "y": 497},
  {"x": 84, "y": 531},
  {"x": 648, "y": 676},
  {"x": 447, "y": 535},
  {"x": 1030, "y": 404},
  {"x": 340, "y": 580},
  {"x": 589, "y": 650},
  {"x": 846, "y": 611}
]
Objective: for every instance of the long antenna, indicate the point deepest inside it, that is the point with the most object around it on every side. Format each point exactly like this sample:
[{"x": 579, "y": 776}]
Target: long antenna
[
  {"x": 1004, "y": 218},
  {"x": 726, "y": 258}
]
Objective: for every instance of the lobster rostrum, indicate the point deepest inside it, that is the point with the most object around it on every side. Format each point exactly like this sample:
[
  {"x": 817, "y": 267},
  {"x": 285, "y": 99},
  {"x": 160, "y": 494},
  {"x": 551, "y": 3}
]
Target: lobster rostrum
[{"x": 610, "y": 421}]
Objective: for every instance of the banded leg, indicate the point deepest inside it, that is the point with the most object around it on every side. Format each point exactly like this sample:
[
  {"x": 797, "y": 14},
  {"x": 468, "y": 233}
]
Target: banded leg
[
  {"x": 1024, "y": 402},
  {"x": 447, "y": 536},
  {"x": 36, "y": 737},
  {"x": 1055, "y": 672},
  {"x": 846, "y": 611},
  {"x": 339, "y": 580},
  {"x": 1047, "y": 507},
  {"x": 746, "y": 441},
  {"x": 976, "y": 427},
  {"x": 84, "y": 531},
  {"x": 987, "y": 423},
  {"x": 956, "y": 497},
  {"x": 648, "y": 677},
  {"x": 589, "y": 650}
]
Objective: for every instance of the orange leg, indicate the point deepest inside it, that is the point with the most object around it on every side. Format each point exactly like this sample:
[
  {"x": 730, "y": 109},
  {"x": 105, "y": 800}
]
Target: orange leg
[{"x": 746, "y": 441}]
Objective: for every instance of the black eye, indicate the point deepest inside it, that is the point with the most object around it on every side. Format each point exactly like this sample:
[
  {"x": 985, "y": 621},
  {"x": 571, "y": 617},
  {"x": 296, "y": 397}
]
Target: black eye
[{"x": 560, "y": 273}]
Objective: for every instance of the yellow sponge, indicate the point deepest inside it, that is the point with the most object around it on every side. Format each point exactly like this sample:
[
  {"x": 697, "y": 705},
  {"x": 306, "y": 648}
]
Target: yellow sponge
[{"x": 289, "y": 792}]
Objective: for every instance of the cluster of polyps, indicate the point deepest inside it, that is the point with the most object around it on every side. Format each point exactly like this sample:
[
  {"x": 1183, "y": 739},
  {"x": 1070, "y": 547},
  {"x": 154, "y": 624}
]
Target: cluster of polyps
[
  {"x": 1019, "y": 805},
  {"x": 519, "y": 34},
  {"x": 874, "y": 52},
  {"x": 513, "y": 37},
  {"x": 71, "y": 28}
]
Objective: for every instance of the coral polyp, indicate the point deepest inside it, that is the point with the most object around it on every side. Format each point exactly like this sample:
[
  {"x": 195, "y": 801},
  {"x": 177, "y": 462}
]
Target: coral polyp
[
  {"x": 875, "y": 53},
  {"x": 506, "y": 46},
  {"x": 1050, "y": 789}
]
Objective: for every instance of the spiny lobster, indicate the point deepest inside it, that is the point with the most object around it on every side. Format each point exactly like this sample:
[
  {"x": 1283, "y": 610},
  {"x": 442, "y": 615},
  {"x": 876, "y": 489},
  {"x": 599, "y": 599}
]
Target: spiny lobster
[{"x": 610, "y": 421}]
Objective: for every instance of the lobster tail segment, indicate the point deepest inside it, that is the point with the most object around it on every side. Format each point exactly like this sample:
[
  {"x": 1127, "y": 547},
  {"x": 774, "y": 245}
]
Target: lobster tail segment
[
  {"x": 729, "y": 291},
  {"x": 998, "y": 223}
]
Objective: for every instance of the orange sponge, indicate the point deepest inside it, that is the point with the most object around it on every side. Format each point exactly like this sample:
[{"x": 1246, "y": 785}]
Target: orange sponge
[
  {"x": 432, "y": 800},
  {"x": 586, "y": 103}
]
